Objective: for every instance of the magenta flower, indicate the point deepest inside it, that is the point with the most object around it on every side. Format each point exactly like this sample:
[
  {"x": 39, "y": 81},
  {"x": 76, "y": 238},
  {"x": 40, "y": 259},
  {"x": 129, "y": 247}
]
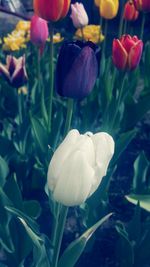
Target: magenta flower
[
  {"x": 126, "y": 52},
  {"x": 38, "y": 32}
]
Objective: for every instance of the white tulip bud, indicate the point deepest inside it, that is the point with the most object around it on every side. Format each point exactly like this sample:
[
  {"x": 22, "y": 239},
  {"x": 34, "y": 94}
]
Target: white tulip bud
[
  {"x": 79, "y": 15},
  {"x": 78, "y": 166}
]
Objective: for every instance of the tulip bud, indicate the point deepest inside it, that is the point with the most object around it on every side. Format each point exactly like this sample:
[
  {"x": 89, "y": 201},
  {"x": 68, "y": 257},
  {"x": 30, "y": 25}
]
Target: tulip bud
[
  {"x": 78, "y": 166},
  {"x": 77, "y": 69},
  {"x": 126, "y": 52},
  {"x": 14, "y": 71},
  {"x": 142, "y": 5},
  {"x": 51, "y": 10},
  {"x": 108, "y": 8},
  {"x": 38, "y": 31},
  {"x": 79, "y": 15},
  {"x": 130, "y": 12}
]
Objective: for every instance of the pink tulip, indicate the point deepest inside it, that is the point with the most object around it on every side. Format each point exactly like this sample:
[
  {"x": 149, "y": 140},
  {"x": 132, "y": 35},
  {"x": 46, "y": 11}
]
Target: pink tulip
[
  {"x": 130, "y": 12},
  {"x": 39, "y": 31},
  {"x": 142, "y": 5},
  {"x": 126, "y": 52},
  {"x": 79, "y": 15}
]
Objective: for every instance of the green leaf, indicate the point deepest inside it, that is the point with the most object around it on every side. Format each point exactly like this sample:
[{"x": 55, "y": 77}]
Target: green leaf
[
  {"x": 41, "y": 257},
  {"x": 75, "y": 249},
  {"x": 12, "y": 191},
  {"x": 124, "y": 249},
  {"x": 4, "y": 170},
  {"x": 34, "y": 237},
  {"x": 141, "y": 166},
  {"x": 135, "y": 226},
  {"x": 5, "y": 238},
  {"x": 144, "y": 200},
  {"x": 17, "y": 213},
  {"x": 121, "y": 144},
  {"x": 40, "y": 133},
  {"x": 32, "y": 208},
  {"x": 134, "y": 112}
]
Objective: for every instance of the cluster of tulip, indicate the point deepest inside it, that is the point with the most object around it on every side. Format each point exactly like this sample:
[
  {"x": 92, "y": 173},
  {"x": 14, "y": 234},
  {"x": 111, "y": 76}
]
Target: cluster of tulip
[
  {"x": 80, "y": 162},
  {"x": 76, "y": 78}
]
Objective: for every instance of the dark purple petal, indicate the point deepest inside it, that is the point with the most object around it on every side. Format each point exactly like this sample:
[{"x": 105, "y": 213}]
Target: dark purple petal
[
  {"x": 11, "y": 64},
  {"x": 67, "y": 56},
  {"x": 19, "y": 77},
  {"x": 82, "y": 75}
]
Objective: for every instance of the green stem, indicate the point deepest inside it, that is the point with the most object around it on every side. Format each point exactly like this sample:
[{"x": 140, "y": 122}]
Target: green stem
[
  {"x": 68, "y": 116},
  {"x": 20, "y": 108},
  {"x": 55, "y": 224},
  {"x": 121, "y": 23},
  {"x": 41, "y": 89},
  {"x": 142, "y": 26},
  {"x": 82, "y": 33},
  {"x": 59, "y": 234},
  {"x": 102, "y": 63},
  {"x": 51, "y": 78},
  {"x": 118, "y": 102},
  {"x": 125, "y": 27},
  {"x": 39, "y": 70}
]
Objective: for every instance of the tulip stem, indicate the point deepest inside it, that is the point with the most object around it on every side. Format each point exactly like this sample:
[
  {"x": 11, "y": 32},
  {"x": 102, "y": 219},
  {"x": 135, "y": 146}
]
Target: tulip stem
[
  {"x": 20, "y": 108},
  {"x": 59, "y": 234},
  {"x": 102, "y": 63},
  {"x": 142, "y": 26},
  {"x": 121, "y": 23},
  {"x": 118, "y": 101},
  {"x": 51, "y": 78},
  {"x": 40, "y": 89},
  {"x": 68, "y": 116},
  {"x": 82, "y": 33}
]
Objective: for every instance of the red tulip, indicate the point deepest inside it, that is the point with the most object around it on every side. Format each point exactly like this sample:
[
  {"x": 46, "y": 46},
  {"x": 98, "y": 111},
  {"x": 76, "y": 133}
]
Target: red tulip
[
  {"x": 142, "y": 5},
  {"x": 51, "y": 10},
  {"x": 38, "y": 31},
  {"x": 126, "y": 52},
  {"x": 130, "y": 12}
]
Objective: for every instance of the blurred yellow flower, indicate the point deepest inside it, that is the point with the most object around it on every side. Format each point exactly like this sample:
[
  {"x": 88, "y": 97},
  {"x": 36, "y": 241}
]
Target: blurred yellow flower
[
  {"x": 108, "y": 8},
  {"x": 57, "y": 38},
  {"x": 90, "y": 33},
  {"x": 18, "y": 38},
  {"x": 23, "y": 25},
  {"x": 23, "y": 90},
  {"x": 14, "y": 41}
]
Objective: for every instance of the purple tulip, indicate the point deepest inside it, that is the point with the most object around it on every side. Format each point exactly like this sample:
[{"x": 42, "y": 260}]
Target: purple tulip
[
  {"x": 77, "y": 69},
  {"x": 14, "y": 71}
]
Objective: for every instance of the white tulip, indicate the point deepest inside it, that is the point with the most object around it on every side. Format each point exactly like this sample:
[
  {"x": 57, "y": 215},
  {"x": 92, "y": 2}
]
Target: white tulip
[
  {"x": 79, "y": 15},
  {"x": 78, "y": 166}
]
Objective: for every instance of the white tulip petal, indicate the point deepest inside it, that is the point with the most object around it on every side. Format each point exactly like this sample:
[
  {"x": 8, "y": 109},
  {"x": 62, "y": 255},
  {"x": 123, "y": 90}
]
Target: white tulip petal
[
  {"x": 60, "y": 156},
  {"x": 104, "y": 150},
  {"x": 74, "y": 185}
]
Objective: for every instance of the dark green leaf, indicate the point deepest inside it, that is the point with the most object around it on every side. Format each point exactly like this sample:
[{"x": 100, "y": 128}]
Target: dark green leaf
[
  {"x": 75, "y": 249},
  {"x": 4, "y": 170},
  {"x": 40, "y": 133}
]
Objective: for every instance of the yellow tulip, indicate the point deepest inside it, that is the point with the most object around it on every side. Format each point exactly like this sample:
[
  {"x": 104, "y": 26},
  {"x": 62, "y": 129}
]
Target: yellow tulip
[{"x": 108, "y": 8}]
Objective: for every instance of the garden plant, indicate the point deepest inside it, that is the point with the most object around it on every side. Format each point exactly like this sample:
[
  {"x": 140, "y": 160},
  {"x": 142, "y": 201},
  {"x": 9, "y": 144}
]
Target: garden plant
[{"x": 74, "y": 133}]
